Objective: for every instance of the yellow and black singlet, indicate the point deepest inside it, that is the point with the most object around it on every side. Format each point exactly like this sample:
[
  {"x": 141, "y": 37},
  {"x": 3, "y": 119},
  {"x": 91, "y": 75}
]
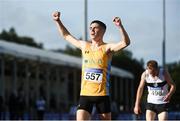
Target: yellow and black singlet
[{"x": 96, "y": 68}]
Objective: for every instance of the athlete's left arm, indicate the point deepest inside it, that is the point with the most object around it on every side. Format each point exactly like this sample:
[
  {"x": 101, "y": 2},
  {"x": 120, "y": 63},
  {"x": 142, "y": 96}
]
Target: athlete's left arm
[
  {"x": 171, "y": 84},
  {"x": 124, "y": 42}
]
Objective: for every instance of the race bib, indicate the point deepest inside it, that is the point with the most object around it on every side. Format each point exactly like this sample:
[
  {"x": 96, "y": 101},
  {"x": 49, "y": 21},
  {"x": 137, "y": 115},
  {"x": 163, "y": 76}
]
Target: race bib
[
  {"x": 156, "y": 91},
  {"x": 93, "y": 74}
]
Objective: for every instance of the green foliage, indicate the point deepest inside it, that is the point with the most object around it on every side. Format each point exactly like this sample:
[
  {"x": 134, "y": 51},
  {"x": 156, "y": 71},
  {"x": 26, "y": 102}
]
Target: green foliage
[
  {"x": 70, "y": 51},
  {"x": 125, "y": 61},
  {"x": 174, "y": 70},
  {"x": 11, "y": 36}
]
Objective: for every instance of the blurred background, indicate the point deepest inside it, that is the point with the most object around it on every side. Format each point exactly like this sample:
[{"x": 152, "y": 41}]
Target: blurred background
[{"x": 40, "y": 72}]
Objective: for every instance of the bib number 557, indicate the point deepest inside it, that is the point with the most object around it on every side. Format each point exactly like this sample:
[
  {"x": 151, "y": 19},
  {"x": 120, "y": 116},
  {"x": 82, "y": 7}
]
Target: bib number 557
[{"x": 92, "y": 76}]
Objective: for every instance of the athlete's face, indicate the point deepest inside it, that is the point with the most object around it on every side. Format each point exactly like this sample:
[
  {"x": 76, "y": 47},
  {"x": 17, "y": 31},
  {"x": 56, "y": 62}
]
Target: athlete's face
[
  {"x": 96, "y": 31},
  {"x": 151, "y": 70}
]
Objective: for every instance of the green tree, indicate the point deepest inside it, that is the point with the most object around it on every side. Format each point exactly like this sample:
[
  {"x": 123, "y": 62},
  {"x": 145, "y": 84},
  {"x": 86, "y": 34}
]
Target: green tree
[
  {"x": 174, "y": 70},
  {"x": 12, "y": 36},
  {"x": 70, "y": 51}
]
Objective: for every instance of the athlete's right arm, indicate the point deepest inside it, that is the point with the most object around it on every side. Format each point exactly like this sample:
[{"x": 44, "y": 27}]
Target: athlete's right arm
[
  {"x": 137, "y": 109},
  {"x": 64, "y": 32}
]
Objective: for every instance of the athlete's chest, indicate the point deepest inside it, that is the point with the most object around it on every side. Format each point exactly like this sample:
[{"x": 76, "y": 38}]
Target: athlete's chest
[
  {"x": 156, "y": 79},
  {"x": 95, "y": 57},
  {"x": 95, "y": 53}
]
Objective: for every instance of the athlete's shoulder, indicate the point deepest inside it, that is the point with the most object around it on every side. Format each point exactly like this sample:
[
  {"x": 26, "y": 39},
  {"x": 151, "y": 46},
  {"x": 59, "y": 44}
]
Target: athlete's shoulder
[
  {"x": 104, "y": 45},
  {"x": 107, "y": 44},
  {"x": 84, "y": 44},
  {"x": 146, "y": 72},
  {"x": 144, "y": 75},
  {"x": 107, "y": 48}
]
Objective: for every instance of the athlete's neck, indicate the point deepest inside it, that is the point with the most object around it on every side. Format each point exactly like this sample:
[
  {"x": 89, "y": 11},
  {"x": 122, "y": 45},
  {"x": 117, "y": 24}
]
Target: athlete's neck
[{"x": 97, "y": 43}]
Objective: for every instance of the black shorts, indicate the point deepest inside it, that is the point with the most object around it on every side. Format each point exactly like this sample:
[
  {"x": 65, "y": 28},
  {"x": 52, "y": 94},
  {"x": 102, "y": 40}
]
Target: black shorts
[
  {"x": 102, "y": 103},
  {"x": 157, "y": 108}
]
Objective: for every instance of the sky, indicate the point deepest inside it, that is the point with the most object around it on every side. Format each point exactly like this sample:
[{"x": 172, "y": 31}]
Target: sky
[{"x": 142, "y": 20}]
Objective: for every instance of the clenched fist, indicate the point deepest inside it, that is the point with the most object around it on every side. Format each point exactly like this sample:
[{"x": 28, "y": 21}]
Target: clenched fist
[
  {"x": 117, "y": 21},
  {"x": 56, "y": 15},
  {"x": 137, "y": 110}
]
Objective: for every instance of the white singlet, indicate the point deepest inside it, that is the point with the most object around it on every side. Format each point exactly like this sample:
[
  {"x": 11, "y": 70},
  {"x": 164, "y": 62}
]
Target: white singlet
[{"x": 157, "y": 87}]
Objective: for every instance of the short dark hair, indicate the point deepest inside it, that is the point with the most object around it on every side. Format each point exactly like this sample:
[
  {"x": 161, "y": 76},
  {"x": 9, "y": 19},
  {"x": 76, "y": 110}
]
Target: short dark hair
[
  {"x": 100, "y": 23},
  {"x": 152, "y": 64}
]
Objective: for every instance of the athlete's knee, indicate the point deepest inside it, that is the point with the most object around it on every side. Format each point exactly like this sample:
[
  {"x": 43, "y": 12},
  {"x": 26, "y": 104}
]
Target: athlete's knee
[
  {"x": 163, "y": 116},
  {"x": 150, "y": 115},
  {"x": 82, "y": 115}
]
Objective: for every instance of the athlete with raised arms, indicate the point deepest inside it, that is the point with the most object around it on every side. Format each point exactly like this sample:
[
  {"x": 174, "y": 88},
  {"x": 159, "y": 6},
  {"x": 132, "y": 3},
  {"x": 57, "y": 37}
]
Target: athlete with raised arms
[{"x": 96, "y": 65}]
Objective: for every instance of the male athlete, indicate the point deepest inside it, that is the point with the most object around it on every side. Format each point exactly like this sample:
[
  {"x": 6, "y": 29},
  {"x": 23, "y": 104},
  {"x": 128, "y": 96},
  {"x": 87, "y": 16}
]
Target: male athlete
[
  {"x": 157, "y": 80},
  {"x": 96, "y": 65}
]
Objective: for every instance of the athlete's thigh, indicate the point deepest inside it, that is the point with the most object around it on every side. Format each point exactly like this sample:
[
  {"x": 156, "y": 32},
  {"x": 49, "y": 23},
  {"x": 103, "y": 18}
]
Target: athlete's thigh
[
  {"x": 150, "y": 115},
  {"x": 105, "y": 116},
  {"x": 103, "y": 108},
  {"x": 103, "y": 105},
  {"x": 85, "y": 103},
  {"x": 163, "y": 116},
  {"x": 82, "y": 115}
]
